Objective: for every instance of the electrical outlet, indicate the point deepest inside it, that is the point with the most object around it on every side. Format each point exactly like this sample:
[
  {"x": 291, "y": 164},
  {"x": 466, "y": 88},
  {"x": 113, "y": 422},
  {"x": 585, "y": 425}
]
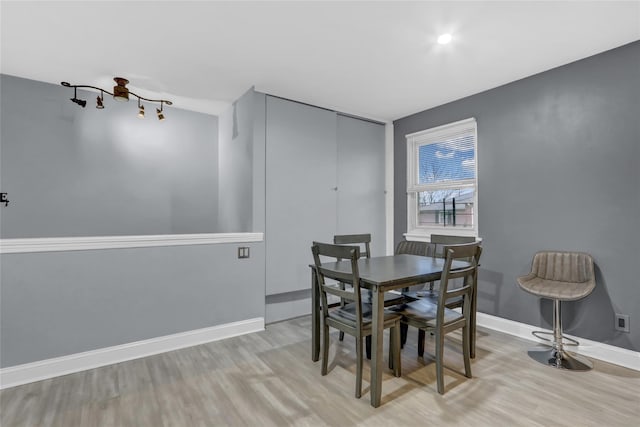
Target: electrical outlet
[
  {"x": 622, "y": 322},
  {"x": 243, "y": 252}
]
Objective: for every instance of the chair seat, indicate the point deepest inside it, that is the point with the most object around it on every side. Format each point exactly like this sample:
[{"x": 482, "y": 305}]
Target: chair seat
[
  {"x": 433, "y": 296},
  {"x": 390, "y": 298},
  {"x": 555, "y": 289},
  {"x": 347, "y": 313},
  {"x": 424, "y": 311}
]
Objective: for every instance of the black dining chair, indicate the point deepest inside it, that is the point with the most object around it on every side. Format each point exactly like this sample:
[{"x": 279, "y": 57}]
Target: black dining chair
[
  {"x": 355, "y": 316},
  {"x": 410, "y": 247},
  {"x": 438, "y": 242},
  {"x": 364, "y": 243},
  {"x": 433, "y": 314}
]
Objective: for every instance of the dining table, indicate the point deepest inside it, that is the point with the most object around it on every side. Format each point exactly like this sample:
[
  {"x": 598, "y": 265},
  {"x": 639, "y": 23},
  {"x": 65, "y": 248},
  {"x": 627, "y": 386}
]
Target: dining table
[{"x": 378, "y": 274}]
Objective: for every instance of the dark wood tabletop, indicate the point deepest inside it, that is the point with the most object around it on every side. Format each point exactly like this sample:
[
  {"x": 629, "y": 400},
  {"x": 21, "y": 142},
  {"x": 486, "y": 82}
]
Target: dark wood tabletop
[{"x": 395, "y": 271}]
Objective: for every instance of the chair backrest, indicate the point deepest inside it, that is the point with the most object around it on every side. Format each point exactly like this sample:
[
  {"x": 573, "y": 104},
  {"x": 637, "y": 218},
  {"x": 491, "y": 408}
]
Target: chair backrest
[
  {"x": 468, "y": 252},
  {"x": 338, "y": 253},
  {"x": 360, "y": 239},
  {"x": 576, "y": 267},
  {"x": 413, "y": 248},
  {"x": 438, "y": 241}
]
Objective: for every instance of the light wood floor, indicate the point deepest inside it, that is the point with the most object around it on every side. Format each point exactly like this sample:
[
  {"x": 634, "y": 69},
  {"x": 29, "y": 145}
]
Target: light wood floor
[{"x": 268, "y": 379}]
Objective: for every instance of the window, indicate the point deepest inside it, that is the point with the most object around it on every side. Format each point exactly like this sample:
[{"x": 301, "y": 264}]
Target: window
[{"x": 441, "y": 180}]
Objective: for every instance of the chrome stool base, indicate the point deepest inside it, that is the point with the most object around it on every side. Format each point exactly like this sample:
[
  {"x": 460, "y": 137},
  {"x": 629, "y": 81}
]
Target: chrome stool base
[{"x": 560, "y": 359}]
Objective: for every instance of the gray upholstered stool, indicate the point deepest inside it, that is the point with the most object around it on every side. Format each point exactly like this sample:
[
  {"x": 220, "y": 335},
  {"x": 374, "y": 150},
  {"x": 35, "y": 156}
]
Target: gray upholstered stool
[{"x": 560, "y": 276}]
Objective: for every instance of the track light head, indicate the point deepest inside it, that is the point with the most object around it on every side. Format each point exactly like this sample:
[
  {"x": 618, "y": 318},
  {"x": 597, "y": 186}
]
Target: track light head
[
  {"x": 140, "y": 110},
  {"x": 99, "y": 104},
  {"x": 160, "y": 114},
  {"x": 80, "y": 102}
]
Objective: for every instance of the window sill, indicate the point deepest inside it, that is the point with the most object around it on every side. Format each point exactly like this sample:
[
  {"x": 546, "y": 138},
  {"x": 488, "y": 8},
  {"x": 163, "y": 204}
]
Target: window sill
[{"x": 423, "y": 235}]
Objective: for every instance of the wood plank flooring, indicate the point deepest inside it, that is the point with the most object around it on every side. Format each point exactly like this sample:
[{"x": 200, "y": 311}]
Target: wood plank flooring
[{"x": 268, "y": 379}]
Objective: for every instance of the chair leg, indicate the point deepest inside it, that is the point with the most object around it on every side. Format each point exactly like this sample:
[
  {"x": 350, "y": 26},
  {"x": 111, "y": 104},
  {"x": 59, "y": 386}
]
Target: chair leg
[
  {"x": 466, "y": 350},
  {"x": 391, "y": 350},
  {"x": 358, "y": 367},
  {"x": 439, "y": 360},
  {"x": 421, "y": 336},
  {"x": 325, "y": 349},
  {"x": 342, "y": 286},
  {"x": 397, "y": 354},
  {"x": 472, "y": 319},
  {"x": 404, "y": 329}
]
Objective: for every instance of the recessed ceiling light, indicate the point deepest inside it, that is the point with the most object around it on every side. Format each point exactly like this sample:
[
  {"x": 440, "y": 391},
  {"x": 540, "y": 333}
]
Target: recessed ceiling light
[{"x": 444, "y": 38}]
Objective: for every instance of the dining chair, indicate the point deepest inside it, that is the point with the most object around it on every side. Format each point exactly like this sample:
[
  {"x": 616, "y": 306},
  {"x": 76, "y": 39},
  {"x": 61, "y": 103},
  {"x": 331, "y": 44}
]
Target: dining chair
[
  {"x": 433, "y": 314},
  {"x": 436, "y": 245},
  {"x": 390, "y": 298},
  {"x": 437, "y": 242},
  {"x": 355, "y": 317},
  {"x": 410, "y": 248},
  {"x": 560, "y": 276},
  {"x": 413, "y": 248}
]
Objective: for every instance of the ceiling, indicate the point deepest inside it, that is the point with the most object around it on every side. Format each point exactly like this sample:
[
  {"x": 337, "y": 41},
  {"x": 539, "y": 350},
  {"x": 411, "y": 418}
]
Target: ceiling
[{"x": 373, "y": 59}]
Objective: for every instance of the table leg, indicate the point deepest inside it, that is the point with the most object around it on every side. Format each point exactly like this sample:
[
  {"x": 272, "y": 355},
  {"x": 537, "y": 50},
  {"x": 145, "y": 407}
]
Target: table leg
[
  {"x": 315, "y": 317},
  {"x": 377, "y": 338}
]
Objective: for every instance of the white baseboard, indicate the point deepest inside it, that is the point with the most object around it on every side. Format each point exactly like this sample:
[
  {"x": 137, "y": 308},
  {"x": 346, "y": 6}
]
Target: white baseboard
[
  {"x": 43, "y": 369},
  {"x": 605, "y": 352}
]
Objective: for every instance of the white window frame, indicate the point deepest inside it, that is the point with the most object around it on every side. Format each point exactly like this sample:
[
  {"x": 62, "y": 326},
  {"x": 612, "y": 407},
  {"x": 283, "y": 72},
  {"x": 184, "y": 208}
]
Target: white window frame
[{"x": 414, "y": 142}]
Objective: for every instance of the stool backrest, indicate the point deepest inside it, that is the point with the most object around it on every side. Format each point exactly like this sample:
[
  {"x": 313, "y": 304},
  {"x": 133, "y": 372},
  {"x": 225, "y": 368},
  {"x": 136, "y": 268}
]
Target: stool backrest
[{"x": 560, "y": 266}]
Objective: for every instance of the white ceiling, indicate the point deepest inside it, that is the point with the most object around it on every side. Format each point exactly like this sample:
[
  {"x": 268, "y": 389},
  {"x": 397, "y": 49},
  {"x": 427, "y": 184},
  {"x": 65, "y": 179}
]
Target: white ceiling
[{"x": 374, "y": 59}]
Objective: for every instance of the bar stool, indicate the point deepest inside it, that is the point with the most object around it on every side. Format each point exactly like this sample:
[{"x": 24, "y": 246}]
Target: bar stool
[{"x": 560, "y": 276}]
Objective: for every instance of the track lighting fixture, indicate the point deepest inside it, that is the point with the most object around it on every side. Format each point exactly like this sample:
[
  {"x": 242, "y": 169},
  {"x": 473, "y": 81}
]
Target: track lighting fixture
[{"x": 120, "y": 93}]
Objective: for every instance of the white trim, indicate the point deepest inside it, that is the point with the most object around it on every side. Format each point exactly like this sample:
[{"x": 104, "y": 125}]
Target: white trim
[
  {"x": 420, "y": 237},
  {"x": 54, "y": 244},
  {"x": 605, "y": 352},
  {"x": 389, "y": 182},
  {"x": 438, "y": 131},
  {"x": 43, "y": 369}
]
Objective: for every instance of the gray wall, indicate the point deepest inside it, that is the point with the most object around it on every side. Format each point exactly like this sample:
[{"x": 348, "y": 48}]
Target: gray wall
[
  {"x": 73, "y": 171},
  {"x": 235, "y": 165},
  {"x": 60, "y": 303},
  {"x": 558, "y": 157}
]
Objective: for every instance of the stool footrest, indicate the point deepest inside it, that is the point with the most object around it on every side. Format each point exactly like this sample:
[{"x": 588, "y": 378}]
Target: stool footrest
[{"x": 570, "y": 342}]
